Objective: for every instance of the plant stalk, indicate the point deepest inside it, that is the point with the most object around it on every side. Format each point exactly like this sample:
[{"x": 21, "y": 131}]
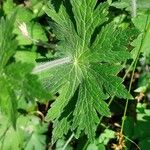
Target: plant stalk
[
  {"x": 133, "y": 8},
  {"x": 68, "y": 141}
]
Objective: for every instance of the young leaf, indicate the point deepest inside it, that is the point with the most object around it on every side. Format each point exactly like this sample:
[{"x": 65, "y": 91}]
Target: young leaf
[{"x": 92, "y": 69}]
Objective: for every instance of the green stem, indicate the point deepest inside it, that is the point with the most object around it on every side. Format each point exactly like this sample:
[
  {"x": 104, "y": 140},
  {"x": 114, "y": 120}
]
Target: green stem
[
  {"x": 132, "y": 142},
  {"x": 135, "y": 64},
  {"x": 68, "y": 141},
  {"x": 126, "y": 106}
]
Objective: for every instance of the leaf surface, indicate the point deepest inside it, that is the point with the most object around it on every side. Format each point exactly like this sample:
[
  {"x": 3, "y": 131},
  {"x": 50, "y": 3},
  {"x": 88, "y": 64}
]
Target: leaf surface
[{"x": 90, "y": 77}]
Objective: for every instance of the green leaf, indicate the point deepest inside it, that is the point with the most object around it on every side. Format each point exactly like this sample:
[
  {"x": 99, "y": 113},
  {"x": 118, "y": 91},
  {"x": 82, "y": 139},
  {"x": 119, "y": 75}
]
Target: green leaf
[
  {"x": 111, "y": 50},
  {"x": 60, "y": 129},
  {"x": 29, "y": 133},
  {"x": 8, "y": 133},
  {"x": 7, "y": 43},
  {"x": 8, "y": 101},
  {"x": 36, "y": 140},
  {"x": 141, "y": 44},
  {"x": 37, "y": 7},
  {"x": 96, "y": 146},
  {"x": 121, "y": 4},
  {"x": 17, "y": 84},
  {"x": 144, "y": 144},
  {"x": 63, "y": 25},
  {"x": 14, "y": 138},
  {"x": 128, "y": 130},
  {"x": 8, "y": 6},
  {"x": 24, "y": 14},
  {"x": 88, "y": 17},
  {"x": 33, "y": 131},
  {"x": 144, "y": 83},
  {"x": 102, "y": 140},
  {"x": 105, "y": 137},
  {"x": 26, "y": 56},
  {"x": 89, "y": 76},
  {"x": 7, "y": 49},
  {"x": 22, "y": 80},
  {"x": 129, "y": 127},
  {"x": 66, "y": 91},
  {"x": 142, "y": 125}
]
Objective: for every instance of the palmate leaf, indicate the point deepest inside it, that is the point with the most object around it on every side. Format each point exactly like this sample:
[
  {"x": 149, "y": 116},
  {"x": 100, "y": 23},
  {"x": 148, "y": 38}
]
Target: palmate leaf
[{"x": 90, "y": 76}]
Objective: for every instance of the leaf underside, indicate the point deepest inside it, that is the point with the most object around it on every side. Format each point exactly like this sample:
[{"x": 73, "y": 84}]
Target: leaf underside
[{"x": 96, "y": 52}]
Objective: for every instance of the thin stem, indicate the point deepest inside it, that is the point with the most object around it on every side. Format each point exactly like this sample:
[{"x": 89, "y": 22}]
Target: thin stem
[
  {"x": 51, "y": 64},
  {"x": 135, "y": 63},
  {"x": 128, "y": 70},
  {"x": 68, "y": 141},
  {"x": 126, "y": 106},
  {"x": 132, "y": 142},
  {"x": 3, "y": 136},
  {"x": 86, "y": 144},
  {"x": 133, "y": 8}
]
